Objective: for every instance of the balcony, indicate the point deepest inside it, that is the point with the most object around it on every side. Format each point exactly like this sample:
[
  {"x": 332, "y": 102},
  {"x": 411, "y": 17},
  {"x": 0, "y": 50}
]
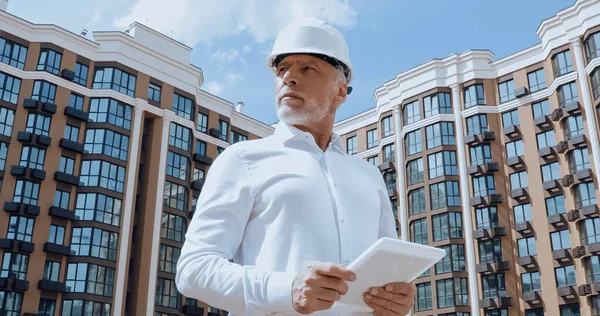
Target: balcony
[
  {"x": 21, "y": 208},
  {"x": 485, "y": 137},
  {"x": 493, "y": 267},
  {"x": 577, "y": 142},
  {"x": 566, "y": 291},
  {"x": 34, "y": 139},
  {"x": 496, "y": 302},
  {"x": 77, "y": 114},
  {"x": 512, "y": 131},
  {"x": 202, "y": 159},
  {"x": 387, "y": 166},
  {"x": 489, "y": 233},
  {"x": 214, "y": 132},
  {"x": 46, "y": 107},
  {"x": 581, "y": 213},
  {"x": 61, "y": 213},
  {"x": 543, "y": 122},
  {"x": 515, "y": 162},
  {"x": 392, "y": 193},
  {"x": 584, "y": 290},
  {"x": 71, "y": 145},
  {"x": 20, "y": 171},
  {"x": 52, "y": 286},
  {"x": 521, "y": 92},
  {"x": 483, "y": 169},
  {"x": 532, "y": 297},
  {"x": 583, "y": 175},
  {"x": 519, "y": 194},
  {"x": 572, "y": 108},
  {"x": 551, "y": 185},
  {"x": 562, "y": 147},
  {"x": 67, "y": 178},
  {"x": 198, "y": 184},
  {"x": 561, "y": 254},
  {"x": 14, "y": 284},
  {"x": 579, "y": 252},
  {"x": 524, "y": 228},
  {"x": 547, "y": 153},
  {"x": 492, "y": 199},
  {"x": 567, "y": 181},
  {"x": 527, "y": 261},
  {"x": 16, "y": 245},
  {"x": 192, "y": 310},
  {"x": 67, "y": 74},
  {"x": 57, "y": 249},
  {"x": 593, "y": 248}
]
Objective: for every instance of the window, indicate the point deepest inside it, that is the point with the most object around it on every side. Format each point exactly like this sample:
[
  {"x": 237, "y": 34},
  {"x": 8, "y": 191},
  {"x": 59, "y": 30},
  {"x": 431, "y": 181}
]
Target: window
[
  {"x": 76, "y": 102},
  {"x": 26, "y": 192},
  {"x": 154, "y": 93},
  {"x": 94, "y": 242},
  {"x": 12, "y": 54},
  {"x": 107, "y": 142},
  {"x": 565, "y": 276},
  {"x": 81, "y": 74},
  {"x": 518, "y": 180},
  {"x": 372, "y": 139},
  {"x": 596, "y": 82},
  {"x": 537, "y": 80},
  {"x": 510, "y": 118},
  {"x": 527, "y": 247},
  {"x": 416, "y": 201},
  {"x": 115, "y": 79},
  {"x": 10, "y": 303},
  {"x": 574, "y": 126},
  {"x": 418, "y": 231},
  {"x": 452, "y": 292},
  {"x": 105, "y": 110},
  {"x": 591, "y": 46},
  {"x": 595, "y": 301},
  {"x": 486, "y": 217},
  {"x": 201, "y": 147},
  {"x": 415, "y": 171},
  {"x": 56, "y": 235},
  {"x": 444, "y": 194},
  {"x": 541, "y": 108},
  {"x": 477, "y": 124},
  {"x": 440, "y": 134},
  {"x": 167, "y": 294},
  {"x": 176, "y": 196},
  {"x": 237, "y": 137},
  {"x": 374, "y": 160},
  {"x": 390, "y": 180},
  {"x": 560, "y": 239},
  {"x": 180, "y": 137},
  {"x": 531, "y": 281},
  {"x": 32, "y": 157},
  {"x": 493, "y": 285},
  {"x": 438, "y": 103},
  {"x": 423, "y": 299},
  {"x": 551, "y": 171},
  {"x": 473, "y": 95},
  {"x": 38, "y": 124},
  {"x": 483, "y": 186},
  {"x": 3, "y": 154},
  {"x": 177, "y": 166},
  {"x": 183, "y": 106},
  {"x": 90, "y": 278},
  {"x": 515, "y": 149},
  {"x": 43, "y": 91},
  {"x": 14, "y": 266},
  {"x": 351, "y": 145},
  {"x": 99, "y": 173},
  {"x": 224, "y": 129},
  {"x": 579, "y": 159},
  {"x": 389, "y": 153},
  {"x": 412, "y": 142},
  {"x": 49, "y": 61},
  {"x": 562, "y": 63},
  {"x": 412, "y": 113},
  {"x": 447, "y": 225},
  {"x": 453, "y": 261},
  {"x": 81, "y": 308},
  {"x": 480, "y": 155},
  {"x": 71, "y": 133},
  {"x": 386, "y": 127},
  {"x": 590, "y": 230},
  {"x": 220, "y": 150},
  {"x": 522, "y": 213},
  {"x": 567, "y": 94},
  {"x": 490, "y": 251},
  {"x": 173, "y": 227},
  {"x": 66, "y": 165},
  {"x": 570, "y": 310},
  {"x": 592, "y": 267},
  {"x": 442, "y": 163},
  {"x": 98, "y": 207},
  {"x": 9, "y": 89},
  {"x": 6, "y": 121},
  {"x": 584, "y": 194},
  {"x": 507, "y": 90},
  {"x": 168, "y": 258},
  {"x": 202, "y": 125},
  {"x": 20, "y": 228},
  {"x": 51, "y": 271},
  {"x": 46, "y": 307}
]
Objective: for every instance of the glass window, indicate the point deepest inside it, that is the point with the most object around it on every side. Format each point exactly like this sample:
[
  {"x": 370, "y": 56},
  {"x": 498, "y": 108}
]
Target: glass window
[
  {"x": 168, "y": 257},
  {"x": 474, "y": 95},
  {"x": 201, "y": 147},
  {"x": 177, "y": 166},
  {"x": 442, "y": 163},
  {"x": 590, "y": 230},
  {"x": 452, "y": 292},
  {"x": 237, "y": 137},
  {"x": 3, "y": 155},
  {"x": 440, "y": 134},
  {"x": 49, "y": 61},
  {"x": 98, "y": 207},
  {"x": 105, "y": 110},
  {"x": 551, "y": 171},
  {"x": 412, "y": 113},
  {"x": 173, "y": 227},
  {"x": 167, "y": 294},
  {"x": 555, "y": 205},
  {"x": 541, "y": 108},
  {"x": 412, "y": 143},
  {"x": 390, "y": 180},
  {"x": 107, "y": 142},
  {"x": 43, "y": 91},
  {"x": 477, "y": 124},
  {"x": 202, "y": 125},
  {"x": 32, "y": 157},
  {"x": 374, "y": 160},
  {"x": 527, "y": 247},
  {"x": 416, "y": 201},
  {"x": 490, "y": 251},
  {"x": 592, "y": 267},
  {"x": 596, "y": 82},
  {"x": 66, "y": 165},
  {"x": 99, "y": 173},
  {"x": 480, "y": 155},
  {"x": 14, "y": 266},
  {"x": 7, "y": 118},
  {"x": 71, "y": 133},
  {"x": 51, "y": 271},
  {"x": 574, "y": 126},
  {"x": 84, "y": 308},
  {"x": 12, "y": 54},
  {"x": 220, "y": 150},
  {"x": 522, "y": 213},
  {"x": 510, "y": 118},
  {"x": 352, "y": 145},
  {"x": 447, "y": 225},
  {"x": 493, "y": 285},
  {"x": 10, "y": 303},
  {"x": 94, "y": 242},
  {"x": 46, "y": 307},
  {"x": 584, "y": 194},
  {"x": 591, "y": 46},
  {"x": 115, "y": 79},
  {"x": 423, "y": 297},
  {"x": 579, "y": 159},
  {"x": 38, "y": 124},
  {"x": 81, "y": 74},
  {"x": 20, "y": 228},
  {"x": 453, "y": 261},
  {"x": 418, "y": 231},
  {"x": 531, "y": 281},
  {"x": 372, "y": 139},
  {"x": 56, "y": 235},
  {"x": 61, "y": 199},
  {"x": 224, "y": 129},
  {"x": 560, "y": 239},
  {"x": 562, "y": 63},
  {"x": 180, "y": 137},
  {"x": 565, "y": 276},
  {"x": 76, "y": 101},
  {"x": 415, "y": 171},
  {"x": 90, "y": 278},
  {"x": 387, "y": 127},
  {"x": 518, "y": 180},
  {"x": 9, "y": 89},
  {"x": 570, "y": 310},
  {"x": 444, "y": 194},
  {"x": 389, "y": 153},
  {"x": 176, "y": 196},
  {"x": 483, "y": 186},
  {"x": 438, "y": 103},
  {"x": 486, "y": 217},
  {"x": 546, "y": 139},
  {"x": 183, "y": 106},
  {"x": 507, "y": 90},
  {"x": 154, "y": 92},
  {"x": 26, "y": 192},
  {"x": 567, "y": 94},
  {"x": 537, "y": 80}
]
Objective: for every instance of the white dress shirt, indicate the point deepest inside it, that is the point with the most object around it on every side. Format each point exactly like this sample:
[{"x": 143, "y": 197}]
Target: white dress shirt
[{"x": 273, "y": 205}]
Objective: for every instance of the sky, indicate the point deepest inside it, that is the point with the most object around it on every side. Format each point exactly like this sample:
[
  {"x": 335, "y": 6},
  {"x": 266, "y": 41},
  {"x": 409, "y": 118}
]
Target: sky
[{"x": 231, "y": 38}]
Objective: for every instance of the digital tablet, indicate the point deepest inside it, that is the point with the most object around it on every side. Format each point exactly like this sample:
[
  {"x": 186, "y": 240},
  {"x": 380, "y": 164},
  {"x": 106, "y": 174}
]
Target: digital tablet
[{"x": 387, "y": 260}]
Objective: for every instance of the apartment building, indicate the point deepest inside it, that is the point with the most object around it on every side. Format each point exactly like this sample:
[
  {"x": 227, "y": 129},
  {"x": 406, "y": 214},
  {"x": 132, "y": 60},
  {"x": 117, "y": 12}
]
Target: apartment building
[
  {"x": 104, "y": 145},
  {"x": 497, "y": 161}
]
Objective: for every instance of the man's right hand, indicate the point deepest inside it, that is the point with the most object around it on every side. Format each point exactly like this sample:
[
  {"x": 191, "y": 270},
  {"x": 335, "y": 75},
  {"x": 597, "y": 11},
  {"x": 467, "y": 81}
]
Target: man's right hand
[{"x": 319, "y": 286}]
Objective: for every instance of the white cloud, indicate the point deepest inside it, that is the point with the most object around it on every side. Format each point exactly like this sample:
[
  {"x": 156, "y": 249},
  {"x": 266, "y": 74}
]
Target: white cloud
[
  {"x": 192, "y": 21},
  {"x": 233, "y": 77},
  {"x": 246, "y": 49},
  {"x": 225, "y": 56},
  {"x": 213, "y": 87}
]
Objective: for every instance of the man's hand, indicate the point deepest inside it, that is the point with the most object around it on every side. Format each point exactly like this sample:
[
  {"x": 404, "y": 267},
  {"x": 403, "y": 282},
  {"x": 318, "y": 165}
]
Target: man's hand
[
  {"x": 391, "y": 300},
  {"x": 319, "y": 286}
]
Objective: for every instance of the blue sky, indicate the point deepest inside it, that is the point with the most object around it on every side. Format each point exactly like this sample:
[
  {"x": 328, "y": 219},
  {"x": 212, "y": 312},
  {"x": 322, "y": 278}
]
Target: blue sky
[{"x": 231, "y": 38}]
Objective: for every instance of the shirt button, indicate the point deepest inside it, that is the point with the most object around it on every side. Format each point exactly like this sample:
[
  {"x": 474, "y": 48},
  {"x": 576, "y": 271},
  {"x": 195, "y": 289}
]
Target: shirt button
[{"x": 343, "y": 221}]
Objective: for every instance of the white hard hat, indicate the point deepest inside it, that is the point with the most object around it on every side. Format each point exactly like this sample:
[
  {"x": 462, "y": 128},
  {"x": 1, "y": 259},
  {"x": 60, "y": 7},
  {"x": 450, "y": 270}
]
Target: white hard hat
[{"x": 314, "y": 37}]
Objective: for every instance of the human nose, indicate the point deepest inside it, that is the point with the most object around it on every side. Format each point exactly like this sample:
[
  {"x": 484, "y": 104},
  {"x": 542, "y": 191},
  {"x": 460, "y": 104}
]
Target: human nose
[{"x": 290, "y": 77}]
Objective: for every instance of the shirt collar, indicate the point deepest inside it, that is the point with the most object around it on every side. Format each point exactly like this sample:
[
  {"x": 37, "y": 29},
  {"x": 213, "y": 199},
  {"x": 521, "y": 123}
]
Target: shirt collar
[{"x": 285, "y": 132}]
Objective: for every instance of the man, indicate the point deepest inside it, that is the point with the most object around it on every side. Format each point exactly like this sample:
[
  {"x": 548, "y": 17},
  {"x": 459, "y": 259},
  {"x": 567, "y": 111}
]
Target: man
[{"x": 292, "y": 209}]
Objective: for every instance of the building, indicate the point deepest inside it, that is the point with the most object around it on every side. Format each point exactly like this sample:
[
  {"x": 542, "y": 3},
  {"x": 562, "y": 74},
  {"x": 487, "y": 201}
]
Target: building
[
  {"x": 91, "y": 222},
  {"x": 497, "y": 161}
]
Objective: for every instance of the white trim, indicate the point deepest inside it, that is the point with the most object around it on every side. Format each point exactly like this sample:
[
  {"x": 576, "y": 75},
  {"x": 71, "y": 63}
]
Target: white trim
[
  {"x": 401, "y": 178},
  {"x": 127, "y": 213},
  {"x": 592, "y": 65},
  {"x": 158, "y": 210},
  {"x": 426, "y": 122},
  {"x": 376, "y": 150}
]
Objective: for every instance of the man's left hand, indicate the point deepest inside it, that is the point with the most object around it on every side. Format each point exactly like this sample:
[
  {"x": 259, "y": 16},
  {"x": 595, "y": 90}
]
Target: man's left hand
[{"x": 393, "y": 299}]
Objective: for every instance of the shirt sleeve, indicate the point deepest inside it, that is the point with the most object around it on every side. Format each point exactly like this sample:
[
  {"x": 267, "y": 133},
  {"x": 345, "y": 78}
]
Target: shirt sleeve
[{"x": 204, "y": 271}]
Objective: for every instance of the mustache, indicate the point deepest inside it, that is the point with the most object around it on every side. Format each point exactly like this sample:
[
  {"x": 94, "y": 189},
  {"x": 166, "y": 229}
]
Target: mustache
[{"x": 288, "y": 93}]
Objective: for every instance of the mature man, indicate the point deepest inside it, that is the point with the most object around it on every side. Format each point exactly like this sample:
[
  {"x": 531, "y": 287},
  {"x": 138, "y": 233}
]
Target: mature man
[{"x": 292, "y": 209}]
